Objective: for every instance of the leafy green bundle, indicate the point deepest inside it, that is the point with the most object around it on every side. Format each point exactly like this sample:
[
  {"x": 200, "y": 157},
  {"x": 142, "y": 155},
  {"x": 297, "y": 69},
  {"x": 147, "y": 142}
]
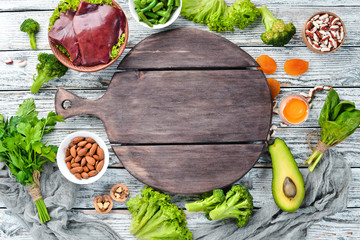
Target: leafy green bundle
[
  {"x": 155, "y": 217},
  {"x": 218, "y": 16},
  {"x": 238, "y": 204},
  {"x": 338, "y": 120},
  {"x": 22, "y": 150}
]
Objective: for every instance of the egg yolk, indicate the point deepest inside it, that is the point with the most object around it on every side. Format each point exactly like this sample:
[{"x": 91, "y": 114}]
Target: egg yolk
[{"x": 295, "y": 110}]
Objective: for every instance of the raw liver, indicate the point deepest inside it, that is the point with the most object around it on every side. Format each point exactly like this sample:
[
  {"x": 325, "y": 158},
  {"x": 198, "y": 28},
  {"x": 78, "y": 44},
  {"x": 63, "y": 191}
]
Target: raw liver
[
  {"x": 97, "y": 29},
  {"x": 62, "y": 33}
]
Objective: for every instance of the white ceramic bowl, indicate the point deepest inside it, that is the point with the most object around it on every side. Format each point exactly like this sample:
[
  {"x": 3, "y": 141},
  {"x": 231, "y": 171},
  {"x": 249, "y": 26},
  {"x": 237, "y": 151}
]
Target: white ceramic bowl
[
  {"x": 172, "y": 19},
  {"x": 60, "y": 157}
]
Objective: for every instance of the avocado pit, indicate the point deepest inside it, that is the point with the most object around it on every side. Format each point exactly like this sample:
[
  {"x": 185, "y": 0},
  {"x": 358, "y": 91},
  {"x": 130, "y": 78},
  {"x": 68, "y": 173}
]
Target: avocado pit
[{"x": 289, "y": 188}]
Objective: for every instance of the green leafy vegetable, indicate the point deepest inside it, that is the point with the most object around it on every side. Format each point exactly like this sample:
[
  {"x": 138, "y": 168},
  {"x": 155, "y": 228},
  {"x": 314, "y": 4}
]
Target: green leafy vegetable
[
  {"x": 30, "y": 26},
  {"x": 116, "y": 48},
  {"x": 48, "y": 68},
  {"x": 243, "y": 13},
  {"x": 337, "y": 120},
  {"x": 22, "y": 150},
  {"x": 236, "y": 204},
  {"x": 218, "y": 16},
  {"x": 155, "y": 217},
  {"x": 277, "y": 32}
]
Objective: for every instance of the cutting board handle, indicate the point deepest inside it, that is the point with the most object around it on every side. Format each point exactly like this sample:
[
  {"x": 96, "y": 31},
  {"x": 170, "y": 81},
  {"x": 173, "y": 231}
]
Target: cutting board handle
[{"x": 68, "y": 104}]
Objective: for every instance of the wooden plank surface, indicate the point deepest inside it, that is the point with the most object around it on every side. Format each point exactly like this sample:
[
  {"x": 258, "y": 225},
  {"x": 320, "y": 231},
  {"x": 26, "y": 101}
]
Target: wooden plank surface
[
  {"x": 17, "y": 40},
  {"x": 338, "y": 69},
  {"x": 184, "y": 48},
  {"x": 177, "y": 168},
  {"x": 180, "y": 106},
  {"x": 339, "y": 72}
]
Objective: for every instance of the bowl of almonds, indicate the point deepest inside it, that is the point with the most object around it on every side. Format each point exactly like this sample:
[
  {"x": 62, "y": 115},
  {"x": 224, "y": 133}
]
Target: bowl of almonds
[
  {"x": 324, "y": 32},
  {"x": 82, "y": 157}
]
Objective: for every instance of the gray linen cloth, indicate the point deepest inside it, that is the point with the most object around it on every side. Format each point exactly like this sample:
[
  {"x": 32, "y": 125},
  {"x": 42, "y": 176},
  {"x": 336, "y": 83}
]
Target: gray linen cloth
[
  {"x": 326, "y": 193},
  {"x": 59, "y": 196}
]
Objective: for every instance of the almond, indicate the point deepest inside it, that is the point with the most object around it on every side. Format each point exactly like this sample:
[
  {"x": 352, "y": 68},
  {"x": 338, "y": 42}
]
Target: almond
[
  {"x": 89, "y": 140},
  {"x": 68, "y": 164},
  {"x": 68, "y": 158},
  {"x": 87, "y": 154},
  {"x": 78, "y": 176},
  {"x": 78, "y": 149},
  {"x": 100, "y": 165},
  {"x": 77, "y": 140},
  {"x": 73, "y": 151},
  {"x": 76, "y": 170},
  {"x": 86, "y": 169},
  {"x": 83, "y": 152},
  {"x": 71, "y": 145},
  {"x": 96, "y": 157},
  {"x": 83, "y": 162},
  {"x": 92, "y": 173},
  {"x": 82, "y": 143},
  {"x": 90, "y": 160},
  {"x": 88, "y": 145},
  {"x": 67, "y": 152},
  {"x": 93, "y": 149},
  {"x": 74, "y": 165},
  {"x": 72, "y": 160},
  {"x": 90, "y": 167},
  {"x": 100, "y": 153},
  {"x": 78, "y": 159},
  {"x": 84, "y": 175}
]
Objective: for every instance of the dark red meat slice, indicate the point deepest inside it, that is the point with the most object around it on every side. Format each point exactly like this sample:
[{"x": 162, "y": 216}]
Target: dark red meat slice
[
  {"x": 62, "y": 33},
  {"x": 97, "y": 30}
]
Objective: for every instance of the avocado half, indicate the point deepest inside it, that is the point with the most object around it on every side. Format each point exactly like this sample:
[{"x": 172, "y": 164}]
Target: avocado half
[{"x": 287, "y": 184}]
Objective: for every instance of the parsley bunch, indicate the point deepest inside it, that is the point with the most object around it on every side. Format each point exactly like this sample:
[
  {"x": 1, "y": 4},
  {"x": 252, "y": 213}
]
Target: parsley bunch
[{"x": 22, "y": 150}]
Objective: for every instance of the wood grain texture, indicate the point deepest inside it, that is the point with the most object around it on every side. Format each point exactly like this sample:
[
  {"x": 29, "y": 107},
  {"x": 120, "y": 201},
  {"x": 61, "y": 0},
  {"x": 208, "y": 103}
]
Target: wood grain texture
[
  {"x": 17, "y": 40},
  {"x": 180, "y": 107},
  {"x": 189, "y": 168},
  {"x": 338, "y": 72},
  {"x": 185, "y": 48},
  {"x": 338, "y": 69},
  {"x": 257, "y": 180}
]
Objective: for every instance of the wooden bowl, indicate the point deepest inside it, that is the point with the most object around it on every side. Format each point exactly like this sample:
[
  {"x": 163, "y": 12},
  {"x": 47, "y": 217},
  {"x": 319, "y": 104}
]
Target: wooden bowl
[
  {"x": 309, "y": 45},
  {"x": 113, "y": 189},
  {"x": 103, "y": 197},
  {"x": 66, "y": 61}
]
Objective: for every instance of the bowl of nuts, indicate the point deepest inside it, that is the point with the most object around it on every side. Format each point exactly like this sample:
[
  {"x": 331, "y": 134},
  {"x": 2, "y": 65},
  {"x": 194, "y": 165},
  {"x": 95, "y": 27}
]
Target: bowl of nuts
[
  {"x": 324, "y": 32},
  {"x": 82, "y": 157}
]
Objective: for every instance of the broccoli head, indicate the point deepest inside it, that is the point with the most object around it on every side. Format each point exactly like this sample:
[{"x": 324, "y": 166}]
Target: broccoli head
[
  {"x": 48, "y": 68},
  {"x": 30, "y": 26},
  {"x": 208, "y": 203},
  {"x": 277, "y": 32},
  {"x": 238, "y": 204}
]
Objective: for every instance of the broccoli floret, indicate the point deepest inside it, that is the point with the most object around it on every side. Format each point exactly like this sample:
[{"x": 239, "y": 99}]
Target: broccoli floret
[
  {"x": 238, "y": 204},
  {"x": 208, "y": 203},
  {"x": 277, "y": 32},
  {"x": 48, "y": 68},
  {"x": 30, "y": 26}
]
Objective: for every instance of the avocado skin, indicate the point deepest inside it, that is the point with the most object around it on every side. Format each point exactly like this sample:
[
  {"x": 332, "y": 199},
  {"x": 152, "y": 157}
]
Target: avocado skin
[{"x": 284, "y": 165}]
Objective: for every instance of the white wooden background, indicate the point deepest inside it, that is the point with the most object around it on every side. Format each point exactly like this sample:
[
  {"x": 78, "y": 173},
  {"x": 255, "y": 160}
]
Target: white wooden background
[{"x": 339, "y": 69}]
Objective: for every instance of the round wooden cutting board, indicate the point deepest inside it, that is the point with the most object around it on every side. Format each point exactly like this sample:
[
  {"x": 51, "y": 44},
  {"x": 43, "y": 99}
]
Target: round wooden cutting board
[{"x": 189, "y": 114}]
